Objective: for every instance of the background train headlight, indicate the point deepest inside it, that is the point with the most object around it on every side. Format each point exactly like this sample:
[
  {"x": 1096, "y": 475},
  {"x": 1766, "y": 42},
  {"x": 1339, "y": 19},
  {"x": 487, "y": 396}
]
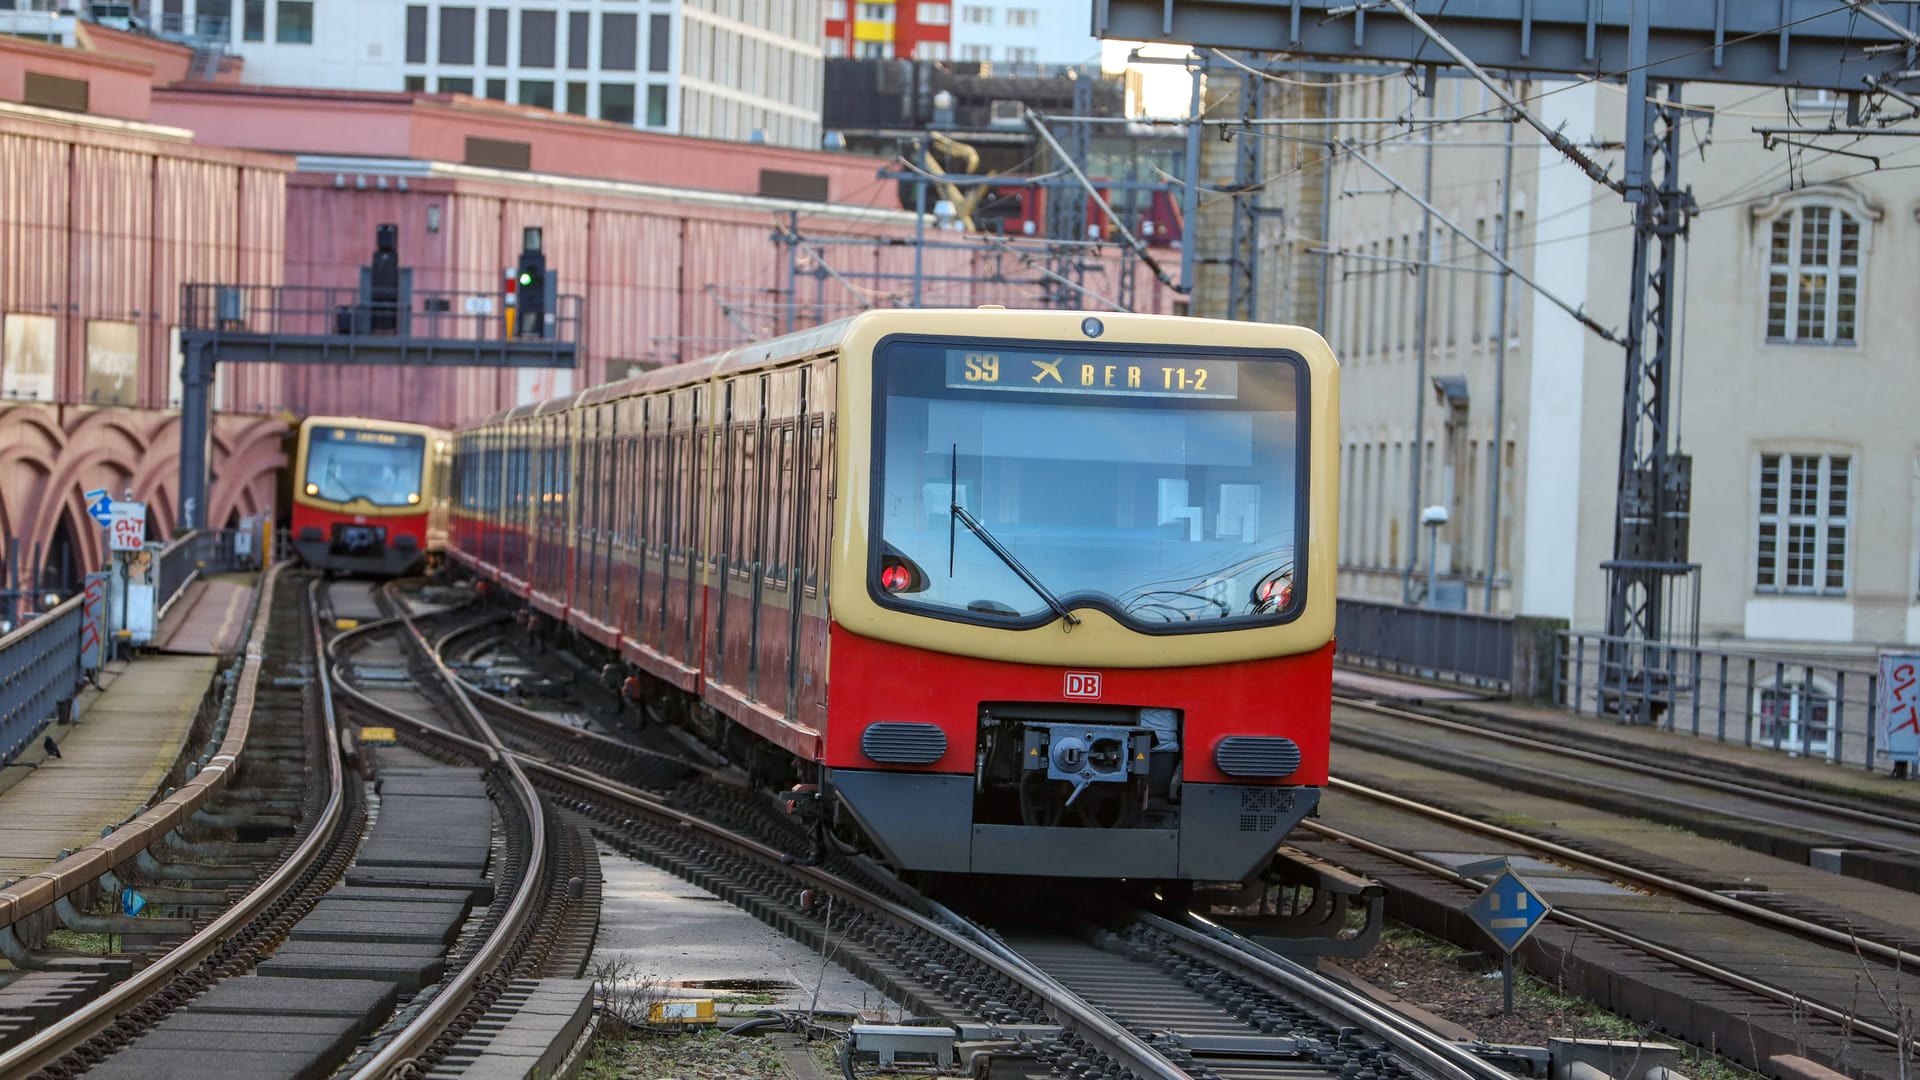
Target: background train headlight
[
  {"x": 313, "y": 489},
  {"x": 412, "y": 497}
]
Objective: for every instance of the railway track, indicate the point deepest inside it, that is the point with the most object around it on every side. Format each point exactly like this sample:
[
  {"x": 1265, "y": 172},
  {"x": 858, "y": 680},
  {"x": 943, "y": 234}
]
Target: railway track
[
  {"x": 1766, "y": 965},
  {"x": 275, "y": 676},
  {"x": 1880, "y": 837},
  {"x": 1225, "y": 1007}
]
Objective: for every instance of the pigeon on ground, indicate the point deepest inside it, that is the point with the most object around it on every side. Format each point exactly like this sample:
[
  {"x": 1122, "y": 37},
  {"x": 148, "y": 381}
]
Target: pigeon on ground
[{"x": 52, "y": 748}]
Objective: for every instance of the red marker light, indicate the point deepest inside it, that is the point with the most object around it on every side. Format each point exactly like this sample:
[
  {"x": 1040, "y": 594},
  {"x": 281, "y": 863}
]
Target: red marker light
[{"x": 895, "y": 577}]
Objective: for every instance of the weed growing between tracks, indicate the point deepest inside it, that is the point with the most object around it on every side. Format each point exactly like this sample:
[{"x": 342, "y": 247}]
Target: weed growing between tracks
[{"x": 1465, "y": 988}]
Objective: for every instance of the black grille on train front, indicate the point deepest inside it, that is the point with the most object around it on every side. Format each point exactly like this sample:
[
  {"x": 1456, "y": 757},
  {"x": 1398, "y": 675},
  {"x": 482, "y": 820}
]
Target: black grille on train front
[
  {"x": 1257, "y": 755},
  {"x": 903, "y": 743}
]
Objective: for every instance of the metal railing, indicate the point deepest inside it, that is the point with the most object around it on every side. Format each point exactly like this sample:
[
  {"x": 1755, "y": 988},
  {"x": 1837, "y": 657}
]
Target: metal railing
[
  {"x": 1805, "y": 705},
  {"x": 189, "y": 555},
  {"x": 340, "y": 312},
  {"x": 1458, "y": 646},
  {"x": 39, "y": 668}
]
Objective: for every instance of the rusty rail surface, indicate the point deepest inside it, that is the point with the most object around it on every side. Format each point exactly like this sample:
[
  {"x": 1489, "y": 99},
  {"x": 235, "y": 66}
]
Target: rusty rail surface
[{"x": 37, "y": 892}]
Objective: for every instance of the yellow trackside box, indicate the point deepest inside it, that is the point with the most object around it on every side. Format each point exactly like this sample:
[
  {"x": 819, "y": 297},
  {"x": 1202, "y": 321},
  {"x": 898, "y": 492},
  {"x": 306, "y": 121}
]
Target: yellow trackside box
[
  {"x": 688, "y": 1011},
  {"x": 376, "y": 736}
]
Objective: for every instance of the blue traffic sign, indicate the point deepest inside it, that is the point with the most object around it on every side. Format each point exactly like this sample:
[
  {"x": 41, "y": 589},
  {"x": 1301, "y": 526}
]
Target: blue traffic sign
[
  {"x": 100, "y": 506},
  {"x": 1509, "y": 910}
]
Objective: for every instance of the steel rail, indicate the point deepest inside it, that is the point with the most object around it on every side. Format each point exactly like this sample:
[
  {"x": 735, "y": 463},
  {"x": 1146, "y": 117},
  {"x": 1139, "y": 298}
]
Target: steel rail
[
  {"x": 1443, "y": 1056},
  {"x": 1563, "y": 853},
  {"x": 1691, "y": 963},
  {"x": 1655, "y": 797},
  {"x": 1109, "y": 1037},
  {"x": 1865, "y": 817},
  {"x": 455, "y": 994},
  {"x": 70, "y": 1031}
]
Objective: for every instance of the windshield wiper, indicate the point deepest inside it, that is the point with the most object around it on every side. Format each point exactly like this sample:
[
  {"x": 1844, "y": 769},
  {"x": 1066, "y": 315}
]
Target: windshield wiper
[{"x": 1013, "y": 564}]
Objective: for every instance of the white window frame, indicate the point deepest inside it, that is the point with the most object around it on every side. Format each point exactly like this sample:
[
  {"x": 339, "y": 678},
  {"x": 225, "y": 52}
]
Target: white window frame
[
  {"x": 1832, "y": 274},
  {"x": 1778, "y": 527},
  {"x": 1023, "y": 17},
  {"x": 874, "y": 13},
  {"x": 972, "y": 53},
  {"x": 932, "y": 50},
  {"x": 837, "y": 9},
  {"x": 977, "y": 15},
  {"x": 932, "y": 14},
  {"x": 1788, "y": 208}
]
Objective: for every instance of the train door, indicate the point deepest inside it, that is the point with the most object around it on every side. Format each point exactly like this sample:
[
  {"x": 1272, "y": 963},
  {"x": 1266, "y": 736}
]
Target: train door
[
  {"x": 586, "y": 512},
  {"x": 769, "y": 666},
  {"x": 808, "y": 666},
  {"x": 740, "y": 508}
]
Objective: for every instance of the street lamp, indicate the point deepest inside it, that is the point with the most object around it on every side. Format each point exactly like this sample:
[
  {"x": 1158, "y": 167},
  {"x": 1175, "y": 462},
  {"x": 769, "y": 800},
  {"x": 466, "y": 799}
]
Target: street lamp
[{"x": 1432, "y": 517}]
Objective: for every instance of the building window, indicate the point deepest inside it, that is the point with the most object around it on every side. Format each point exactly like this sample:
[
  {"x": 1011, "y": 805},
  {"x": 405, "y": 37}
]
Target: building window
[
  {"x": 1017, "y": 54},
  {"x": 974, "y": 52},
  {"x": 1794, "y": 712},
  {"x": 536, "y": 92},
  {"x": 293, "y": 23},
  {"x": 836, "y": 48},
  {"x": 659, "y": 42},
  {"x": 616, "y": 102},
  {"x": 499, "y": 20},
  {"x": 416, "y": 35},
  {"x": 27, "y": 356},
  {"x": 1804, "y": 524},
  {"x": 836, "y": 9},
  {"x": 1813, "y": 276},
  {"x": 497, "y": 89},
  {"x": 416, "y": 83},
  {"x": 449, "y": 85},
  {"x": 620, "y": 44},
  {"x": 456, "y": 35},
  {"x": 977, "y": 16},
  {"x": 934, "y": 14},
  {"x": 577, "y": 98},
  {"x": 1022, "y": 17},
  {"x": 537, "y": 30},
  {"x": 579, "y": 42},
  {"x": 113, "y": 363},
  {"x": 656, "y": 106},
  {"x": 880, "y": 13},
  {"x": 873, "y": 50},
  {"x": 256, "y": 20},
  {"x": 931, "y": 50}
]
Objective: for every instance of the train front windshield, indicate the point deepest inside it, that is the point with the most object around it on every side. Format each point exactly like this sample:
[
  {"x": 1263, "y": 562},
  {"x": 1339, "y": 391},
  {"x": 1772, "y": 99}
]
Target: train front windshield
[
  {"x": 382, "y": 467},
  {"x": 1012, "y": 484}
]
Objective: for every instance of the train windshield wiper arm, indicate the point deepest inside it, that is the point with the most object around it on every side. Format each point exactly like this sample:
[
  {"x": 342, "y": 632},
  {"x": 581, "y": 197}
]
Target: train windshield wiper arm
[{"x": 1013, "y": 564}]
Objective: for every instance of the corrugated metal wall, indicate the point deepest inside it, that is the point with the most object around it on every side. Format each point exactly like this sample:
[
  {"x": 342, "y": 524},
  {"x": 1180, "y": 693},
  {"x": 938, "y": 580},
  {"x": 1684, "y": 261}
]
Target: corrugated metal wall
[{"x": 103, "y": 227}]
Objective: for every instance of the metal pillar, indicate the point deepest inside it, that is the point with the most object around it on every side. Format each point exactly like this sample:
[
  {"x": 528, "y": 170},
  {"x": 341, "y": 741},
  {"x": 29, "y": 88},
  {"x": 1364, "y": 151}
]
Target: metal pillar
[
  {"x": 196, "y": 429},
  {"x": 1190, "y": 201},
  {"x": 1243, "y": 269},
  {"x": 1415, "y": 457},
  {"x": 1650, "y": 535}
]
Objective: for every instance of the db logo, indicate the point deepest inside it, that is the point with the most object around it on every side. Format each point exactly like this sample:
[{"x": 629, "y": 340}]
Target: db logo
[{"x": 1083, "y": 684}]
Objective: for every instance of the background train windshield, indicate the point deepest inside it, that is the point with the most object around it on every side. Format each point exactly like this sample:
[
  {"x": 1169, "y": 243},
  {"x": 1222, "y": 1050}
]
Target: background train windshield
[
  {"x": 382, "y": 467},
  {"x": 1161, "y": 488}
]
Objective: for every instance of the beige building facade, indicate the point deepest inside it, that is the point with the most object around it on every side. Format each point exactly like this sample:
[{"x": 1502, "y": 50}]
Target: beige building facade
[{"x": 1795, "y": 381}]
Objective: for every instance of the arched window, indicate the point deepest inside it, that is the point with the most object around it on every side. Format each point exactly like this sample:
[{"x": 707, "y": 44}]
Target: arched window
[
  {"x": 1794, "y": 712},
  {"x": 1815, "y": 252}
]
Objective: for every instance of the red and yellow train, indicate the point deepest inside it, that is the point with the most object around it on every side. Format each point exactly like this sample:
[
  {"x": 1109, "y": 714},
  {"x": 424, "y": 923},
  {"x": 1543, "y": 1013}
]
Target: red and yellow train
[
  {"x": 1029, "y": 593},
  {"x": 369, "y": 496}
]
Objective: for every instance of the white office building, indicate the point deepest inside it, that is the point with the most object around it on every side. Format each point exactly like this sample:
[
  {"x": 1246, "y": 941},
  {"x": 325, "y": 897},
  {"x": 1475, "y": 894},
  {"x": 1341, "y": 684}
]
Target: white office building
[
  {"x": 723, "y": 69},
  {"x": 1025, "y": 32}
]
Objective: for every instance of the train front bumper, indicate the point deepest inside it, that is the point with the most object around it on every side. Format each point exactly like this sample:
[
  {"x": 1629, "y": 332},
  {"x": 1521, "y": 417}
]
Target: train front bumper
[{"x": 924, "y": 821}]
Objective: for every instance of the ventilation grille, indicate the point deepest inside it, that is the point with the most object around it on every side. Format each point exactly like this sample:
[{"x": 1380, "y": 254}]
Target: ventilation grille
[
  {"x": 893, "y": 743},
  {"x": 1257, "y": 755}
]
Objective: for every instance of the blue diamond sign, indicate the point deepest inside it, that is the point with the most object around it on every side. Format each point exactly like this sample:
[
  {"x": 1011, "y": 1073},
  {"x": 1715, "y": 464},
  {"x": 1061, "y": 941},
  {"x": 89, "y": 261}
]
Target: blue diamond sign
[
  {"x": 1509, "y": 910},
  {"x": 99, "y": 506}
]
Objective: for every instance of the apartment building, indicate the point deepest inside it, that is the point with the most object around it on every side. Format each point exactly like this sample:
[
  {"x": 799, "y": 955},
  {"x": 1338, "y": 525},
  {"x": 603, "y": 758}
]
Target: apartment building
[{"x": 747, "y": 70}]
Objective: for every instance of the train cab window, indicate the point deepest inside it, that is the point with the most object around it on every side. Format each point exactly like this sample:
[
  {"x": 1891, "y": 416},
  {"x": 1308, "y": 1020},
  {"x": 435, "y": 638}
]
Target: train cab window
[
  {"x": 1164, "y": 489},
  {"x": 381, "y": 467}
]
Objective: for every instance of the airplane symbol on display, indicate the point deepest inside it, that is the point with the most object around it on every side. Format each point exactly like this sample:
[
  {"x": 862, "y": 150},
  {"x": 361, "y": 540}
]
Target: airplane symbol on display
[{"x": 1049, "y": 367}]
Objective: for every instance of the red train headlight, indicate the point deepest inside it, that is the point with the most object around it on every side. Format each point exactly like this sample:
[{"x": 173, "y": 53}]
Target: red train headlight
[{"x": 895, "y": 577}]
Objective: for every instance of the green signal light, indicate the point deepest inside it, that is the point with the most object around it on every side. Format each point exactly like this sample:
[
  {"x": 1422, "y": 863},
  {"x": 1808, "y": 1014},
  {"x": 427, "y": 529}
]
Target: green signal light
[{"x": 526, "y": 279}]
